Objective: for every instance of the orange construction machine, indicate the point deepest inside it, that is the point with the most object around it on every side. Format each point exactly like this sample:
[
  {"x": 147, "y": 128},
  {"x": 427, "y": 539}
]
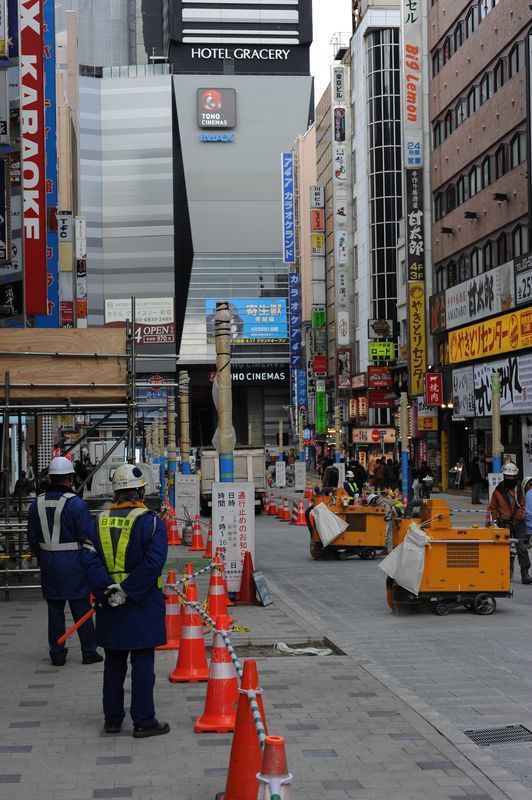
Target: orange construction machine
[
  {"x": 464, "y": 566},
  {"x": 364, "y": 536}
]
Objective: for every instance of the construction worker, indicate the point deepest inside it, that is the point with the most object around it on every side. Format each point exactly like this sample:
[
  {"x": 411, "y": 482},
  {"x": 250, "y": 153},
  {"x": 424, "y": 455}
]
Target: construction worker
[
  {"x": 507, "y": 507},
  {"x": 58, "y": 524},
  {"x": 349, "y": 484},
  {"x": 123, "y": 559}
]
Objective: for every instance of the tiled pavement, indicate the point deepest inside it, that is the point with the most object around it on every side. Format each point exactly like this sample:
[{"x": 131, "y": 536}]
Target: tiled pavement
[{"x": 349, "y": 735}]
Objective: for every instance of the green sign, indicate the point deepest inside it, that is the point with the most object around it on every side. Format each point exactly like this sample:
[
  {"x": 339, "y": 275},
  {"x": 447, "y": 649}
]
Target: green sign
[
  {"x": 320, "y": 406},
  {"x": 381, "y": 351},
  {"x": 319, "y": 317}
]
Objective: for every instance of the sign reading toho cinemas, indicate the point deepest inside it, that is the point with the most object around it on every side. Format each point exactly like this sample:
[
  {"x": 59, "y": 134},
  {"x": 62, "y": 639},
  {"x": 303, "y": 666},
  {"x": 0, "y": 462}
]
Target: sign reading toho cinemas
[{"x": 33, "y": 165}]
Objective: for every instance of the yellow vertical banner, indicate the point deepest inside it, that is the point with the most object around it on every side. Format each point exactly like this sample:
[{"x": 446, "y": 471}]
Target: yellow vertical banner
[{"x": 417, "y": 356}]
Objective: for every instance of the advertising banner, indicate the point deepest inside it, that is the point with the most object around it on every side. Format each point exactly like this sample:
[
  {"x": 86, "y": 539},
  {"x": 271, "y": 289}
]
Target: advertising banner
[
  {"x": 373, "y": 435},
  {"x": 379, "y": 378},
  {"x": 516, "y": 385},
  {"x": 294, "y": 299},
  {"x": 341, "y": 286},
  {"x": 148, "y": 310},
  {"x": 317, "y": 220},
  {"x": 340, "y": 208},
  {"x": 437, "y": 313},
  {"x": 479, "y": 297},
  {"x": 4, "y": 106},
  {"x": 342, "y": 328},
  {"x": 253, "y": 321},
  {"x": 523, "y": 279},
  {"x": 338, "y": 85},
  {"x": 320, "y": 408},
  {"x": 13, "y": 28},
  {"x": 4, "y": 34},
  {"x": 381, "y": 351},
  {"x": 216, "y": 108},
  {"x": 339, "y": 124},
  {"x": 427, "y": 417},
  {"x": 510, "y": 332},
  {"x": 359, "y": 381},
  {"x": 11, "y": 297},
  {"x": 317, "y": 244},
  {"x": 380, "y": 328},
  {"x": 343, "y": 368},
  {"x": 417, "y": 354},
  {"x": 415, "y": 238},
  {"x": 319, "y": 317},
  {"x": 319, "y": 364},
  {"x": 464, "y": 392},
  {"x": 339, "y": 164},
  {"x": 289, "y": 224},
  {"x": 5, "y": 213},
  {"x": 380, "y": 398},
  {"x": 317, "y": 197},
  {"x": 433, "y": 388},
  {"x": 412, "y": 77},
  {"x": 33, "y": 159},
  {"x": 233, "y": 526},
  {"x": 341, "y": 246}
]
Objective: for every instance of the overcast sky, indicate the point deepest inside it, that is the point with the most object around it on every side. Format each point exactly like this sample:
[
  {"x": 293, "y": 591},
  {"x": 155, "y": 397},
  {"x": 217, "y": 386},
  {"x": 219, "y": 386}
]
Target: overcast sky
[{"x": 328, "y": 17}]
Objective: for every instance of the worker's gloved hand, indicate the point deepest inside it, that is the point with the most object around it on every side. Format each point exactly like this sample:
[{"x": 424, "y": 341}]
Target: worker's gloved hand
[{"x": 116, "y": 595}]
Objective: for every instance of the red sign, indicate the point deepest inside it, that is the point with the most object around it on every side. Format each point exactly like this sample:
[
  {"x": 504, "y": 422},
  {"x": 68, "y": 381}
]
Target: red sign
[
  {"x": 433, "y": 388},
  {"x": 379, "y": 378},
  {"x": 66, "y": 312},
  {"x": 375, "y": 435},
  {"x": 378, "y": 398},
  {"x": 319, "y": 364},
  {"x": 33, "y": 155},
  {"x": 359, "y": 381}
]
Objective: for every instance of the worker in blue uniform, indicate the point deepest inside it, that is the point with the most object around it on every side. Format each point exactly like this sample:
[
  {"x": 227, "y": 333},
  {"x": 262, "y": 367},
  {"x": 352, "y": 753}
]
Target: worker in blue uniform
[
  {"x": 123, "y": 559},
  {"x": 58, "y": 524}
]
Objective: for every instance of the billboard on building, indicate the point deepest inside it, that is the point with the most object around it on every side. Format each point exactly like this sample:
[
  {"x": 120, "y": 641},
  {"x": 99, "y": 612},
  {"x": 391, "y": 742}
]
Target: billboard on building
[
  {"x": 253, "y": 321},
  {"x": 289, "y": 208},
  {"x": 472, "y": 387},
  {"x": 216, "y": 108},
  {"x": 417, "y": 353},
  {"x": 523, "y": 279},
  {"x": 480, "y": 297},
  {"x": 504, "y": 334},
  {"x": 412, "y": 76},
  {"x": 33, "y": 158}
]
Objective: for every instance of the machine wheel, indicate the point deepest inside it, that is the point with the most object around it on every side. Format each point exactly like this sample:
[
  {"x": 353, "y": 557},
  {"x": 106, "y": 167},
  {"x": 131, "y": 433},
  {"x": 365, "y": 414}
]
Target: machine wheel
[
  {"x": 442, "y": 609},
  {"x": 484, "y": 604},
  {"x": 316, "y": 551},
  {"x": 368, "y": 554}
]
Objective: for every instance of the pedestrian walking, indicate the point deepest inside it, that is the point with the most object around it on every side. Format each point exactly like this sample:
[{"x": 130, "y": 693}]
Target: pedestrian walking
[
  {"x": 378, "y": 475},
  {"x": 58, "y": 524},
  {"x": 426, "y": 479},
  {"x": 475, "y": 477},
  {"x": 123, "y": 557},
  {"x": 507, "y": 507}
]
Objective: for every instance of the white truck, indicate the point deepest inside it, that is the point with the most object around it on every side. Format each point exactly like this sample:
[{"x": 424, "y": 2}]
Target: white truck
[{"x": 249, "y": 465}]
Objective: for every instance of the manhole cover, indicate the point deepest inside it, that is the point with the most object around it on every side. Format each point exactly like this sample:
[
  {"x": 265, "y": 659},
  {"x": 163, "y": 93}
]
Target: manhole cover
[{"x": 510, "y": 734}]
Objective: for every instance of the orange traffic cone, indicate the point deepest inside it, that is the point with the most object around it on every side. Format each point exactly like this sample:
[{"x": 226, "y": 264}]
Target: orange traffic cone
[
  {"x": 274, "y": 777},
  {"x": 219, "y": 713},
  {"x": 298, "y": 517},
  {"x": 173, "y": 614},
  {"x": 280, "y": 509},
  {"x": 197, "y": 539},
  {"x": 247, "y": 595},
  {"x": 309, "y": 493},
  {"x": 285, "y": 511},
  {"x": 191, "y": 665},
  {"x": 266, "y": 502},
  {"x": 272, "y": 510},
  {"x": 246, "y": 756},
  {"x": 220, "y": 554},
  {"x": 216, "y": 596},
  {"x": 208, "y": 549},
  {"x": 172, "y": 529}
]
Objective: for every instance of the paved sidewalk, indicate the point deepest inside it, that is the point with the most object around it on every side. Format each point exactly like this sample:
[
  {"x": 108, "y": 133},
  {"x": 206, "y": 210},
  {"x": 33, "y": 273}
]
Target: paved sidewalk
[{"x": 348, "y": 735}]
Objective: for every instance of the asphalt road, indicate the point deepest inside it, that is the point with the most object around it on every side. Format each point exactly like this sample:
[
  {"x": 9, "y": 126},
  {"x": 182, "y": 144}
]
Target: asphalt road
[{"x": 476, "y": 671}]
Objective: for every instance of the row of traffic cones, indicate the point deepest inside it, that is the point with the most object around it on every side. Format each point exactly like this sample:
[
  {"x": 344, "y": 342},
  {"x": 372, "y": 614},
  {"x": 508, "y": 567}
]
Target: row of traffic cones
[{"x": 282, "y": 511}]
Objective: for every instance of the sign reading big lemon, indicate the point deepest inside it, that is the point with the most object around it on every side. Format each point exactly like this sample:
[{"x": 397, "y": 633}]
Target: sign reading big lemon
[{"x": 502, "y": 334}]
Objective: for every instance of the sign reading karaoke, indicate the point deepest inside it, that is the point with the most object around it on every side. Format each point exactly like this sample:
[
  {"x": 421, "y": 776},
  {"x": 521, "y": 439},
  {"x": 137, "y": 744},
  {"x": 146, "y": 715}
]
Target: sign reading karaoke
[{"x": 289, "y": 225}]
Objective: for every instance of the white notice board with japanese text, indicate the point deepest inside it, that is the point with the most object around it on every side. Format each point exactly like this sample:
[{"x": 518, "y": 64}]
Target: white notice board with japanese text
[
  {"x": 233, "y": 526},
  {"x": 186, "y": 496}
]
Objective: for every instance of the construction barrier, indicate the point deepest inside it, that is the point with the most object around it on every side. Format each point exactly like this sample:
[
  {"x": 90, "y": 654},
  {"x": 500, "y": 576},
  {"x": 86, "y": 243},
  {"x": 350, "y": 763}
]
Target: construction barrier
[{"x": 298, "y": 514}]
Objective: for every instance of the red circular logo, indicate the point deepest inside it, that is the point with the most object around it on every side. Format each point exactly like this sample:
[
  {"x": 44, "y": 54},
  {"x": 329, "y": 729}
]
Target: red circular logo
[{"x": 375, "y": 436}]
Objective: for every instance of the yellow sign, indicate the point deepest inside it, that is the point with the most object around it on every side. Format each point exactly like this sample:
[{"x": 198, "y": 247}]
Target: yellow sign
[
  {"x": 502, "y": 334},
  {"x": 427, "y": 423},
  {"x": 317, "y": 244},
  {"x": 417, "y": 355},
  {"x": 381, "y": 351}
]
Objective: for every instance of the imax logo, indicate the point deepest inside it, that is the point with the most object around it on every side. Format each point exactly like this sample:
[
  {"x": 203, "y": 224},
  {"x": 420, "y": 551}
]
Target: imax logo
[{"x": 217, "y": 137}]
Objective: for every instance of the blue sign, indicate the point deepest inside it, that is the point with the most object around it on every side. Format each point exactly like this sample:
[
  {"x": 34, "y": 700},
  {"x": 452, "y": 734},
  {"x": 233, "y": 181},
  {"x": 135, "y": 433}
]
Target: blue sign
[
  {"x": 294, "y": 298},
  {"x": 289, "y": 223},
  {"x": 12, "y": 23},
  {"x": 51, "y": 319},
  {"x": 301, "y": 384},
  {"x": 217, "y": 137},
  {"x": 261, "y": 320}
]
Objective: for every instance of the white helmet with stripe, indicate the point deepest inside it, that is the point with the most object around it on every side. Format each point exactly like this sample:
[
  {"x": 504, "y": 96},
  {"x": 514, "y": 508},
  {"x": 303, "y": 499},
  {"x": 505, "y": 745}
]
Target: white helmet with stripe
[{"x": 128, "y": 476}]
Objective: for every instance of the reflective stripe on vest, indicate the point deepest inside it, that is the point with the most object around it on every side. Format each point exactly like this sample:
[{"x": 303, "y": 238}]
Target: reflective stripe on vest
[
  {"x": 116, "y": 564},
  {"x": 51, "y": 539}
]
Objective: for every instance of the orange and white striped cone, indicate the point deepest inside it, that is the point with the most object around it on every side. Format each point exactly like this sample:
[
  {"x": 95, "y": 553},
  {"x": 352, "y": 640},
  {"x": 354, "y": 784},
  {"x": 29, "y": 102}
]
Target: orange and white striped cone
[
  {"x": 197, "y": 545},
  {"x": 216, "y": 596},
  {"x": 266, "y": 502},
  {"x": 285, "y": 511},
  {"x": 172, "y": 528},
  {"x": 191, "y": 665},
  {"x": 219, "y": 713},
  {"x": 308, "y": 493},
  {"x": 172, "y": 614},
  {"x": 298, "y": 517},
  {"x": 280, "y": 508},
  {"x": 272, "y": 510},
  {"x": 274, "y": 778},
  {"x": 208, "y": 549},
  {"x": 220, "y": 554}
]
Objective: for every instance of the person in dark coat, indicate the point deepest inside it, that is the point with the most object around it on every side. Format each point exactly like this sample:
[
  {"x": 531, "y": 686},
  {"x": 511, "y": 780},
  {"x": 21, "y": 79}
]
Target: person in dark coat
[
  {"x": 123, "y": 559},
  {"x": 475, "y": 476},
  {"x": 58, "y": 524},
  {"x": 426, "y": 479},
  {"x": 360, "y": 473}
]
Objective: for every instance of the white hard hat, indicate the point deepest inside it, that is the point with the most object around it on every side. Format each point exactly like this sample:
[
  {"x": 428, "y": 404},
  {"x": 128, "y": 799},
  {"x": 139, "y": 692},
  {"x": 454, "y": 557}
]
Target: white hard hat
[
  {"x": 349, "y": 474},
  {"x": 128, "y": 476},
  {"x": 510, "y": 469},
  {"x": 526, "y": 482},
  {"x": 61, "y": 466}
]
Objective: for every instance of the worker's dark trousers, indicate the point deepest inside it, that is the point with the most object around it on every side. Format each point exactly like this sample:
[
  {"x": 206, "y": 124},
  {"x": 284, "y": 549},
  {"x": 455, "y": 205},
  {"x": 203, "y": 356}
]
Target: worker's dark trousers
[
  {"x": 56, "y": 628},
  {"x": 142, "y": 708},
  {"x": 522, "y": 555}
]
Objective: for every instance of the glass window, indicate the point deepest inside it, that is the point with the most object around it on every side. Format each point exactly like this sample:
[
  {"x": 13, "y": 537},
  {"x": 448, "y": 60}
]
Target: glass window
[
  {"x": 460, "y": 112},
  {"x": 451, "y": 273},
  {"x": 450, "y": 198},
  {"x": 473, "y": 100},
  {"x": 441, "y": 279},
  {"x": 520, "y": 240},
  {"x": 436, "y": 132},
  {"x": 487, "y": 255},
  {"x": 484, "y": 8},
  {"x": 448, "y": 123},
  {"x": 462, "y": 190},
  {"x": 435, "y": 63},
  {"x": 476, "y": 262},
  {"x": 458, "y": 36},
  {"x": 501, "y": 162},
  {"x": 498, "y": 75},
  {"x": 447, "y": 50},
  {"x": 517, "y": 150},
  {"x": 486, "y": 172},
  {"x": 513, "y": 60},
  {"x": 470, "y": 22},
  {"x": 438, "y": 206},
  {"x": 475, "y": 181},
  {"x": 485, "y": 88},
  {"x": 463, "y": 268},
  {"x": 502, "y": 249}
]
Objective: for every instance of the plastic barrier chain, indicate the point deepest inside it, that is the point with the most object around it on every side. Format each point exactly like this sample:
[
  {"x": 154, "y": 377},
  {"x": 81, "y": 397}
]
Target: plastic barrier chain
[
  {"x": 194, "y": 575},
  {"x": 251, "y": 693}
]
